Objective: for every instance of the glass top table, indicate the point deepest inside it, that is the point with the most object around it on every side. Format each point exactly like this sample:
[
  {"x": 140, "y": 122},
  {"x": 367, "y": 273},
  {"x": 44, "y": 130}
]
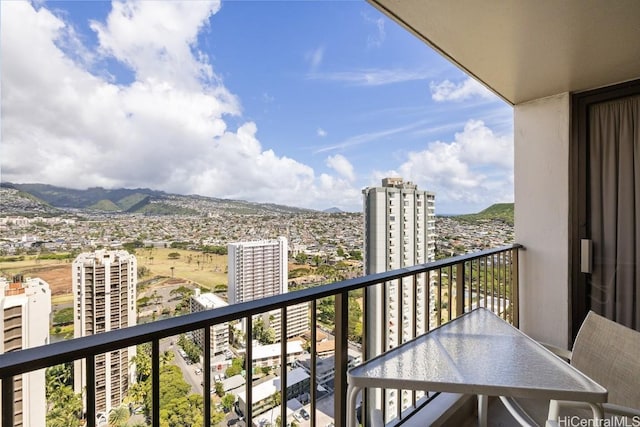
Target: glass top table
[{"x": 476, "y": 353}]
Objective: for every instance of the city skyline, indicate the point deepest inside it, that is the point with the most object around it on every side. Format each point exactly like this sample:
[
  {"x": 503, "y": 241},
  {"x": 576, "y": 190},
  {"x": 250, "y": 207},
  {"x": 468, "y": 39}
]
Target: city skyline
[{"x": 246, "y": 100}]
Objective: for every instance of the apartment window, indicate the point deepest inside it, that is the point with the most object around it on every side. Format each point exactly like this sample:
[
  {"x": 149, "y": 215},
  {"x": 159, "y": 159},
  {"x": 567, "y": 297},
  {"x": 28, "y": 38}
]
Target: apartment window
[{"x": 392, "y": 218}]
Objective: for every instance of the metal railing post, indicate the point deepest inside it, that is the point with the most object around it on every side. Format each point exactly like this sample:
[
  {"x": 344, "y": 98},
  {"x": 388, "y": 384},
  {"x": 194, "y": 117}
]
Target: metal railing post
[
  {"x": 341, "y": 358},
  {"x": 206, "y": 391},
  {"x": 91, "y": 390},
  {"x": 283, "y": 366},
  {"x": 7, "y": 401},
  {"x": 155, "y": 383},
  {"x": 515, "y": 288},
  {"x": 312, "y": 361},
  {"x": 459, "y": 300}
]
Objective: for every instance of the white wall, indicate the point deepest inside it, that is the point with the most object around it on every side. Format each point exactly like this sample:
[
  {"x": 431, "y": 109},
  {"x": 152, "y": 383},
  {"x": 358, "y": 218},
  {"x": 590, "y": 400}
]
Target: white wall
[{"x": 542, "y": 216}]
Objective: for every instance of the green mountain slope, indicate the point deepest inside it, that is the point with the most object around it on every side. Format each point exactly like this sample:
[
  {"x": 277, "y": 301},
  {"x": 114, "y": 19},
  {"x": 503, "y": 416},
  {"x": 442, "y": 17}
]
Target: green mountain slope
[
  {"x": 105, "y": 205},
  {"x": 499, "y": 211},
  {"x": 128, "y": 202},
  {"x": 140, "y": 200}
]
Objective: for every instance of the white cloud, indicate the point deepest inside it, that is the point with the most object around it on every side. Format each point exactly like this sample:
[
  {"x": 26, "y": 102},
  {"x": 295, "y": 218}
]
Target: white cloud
[
  {"x": 321, "y": 132},
  {"x": 341, "y": 165},
  {"x": 370, "y": 137},
  {"x": 373, "y": 77},
  {"x": 315, "y": 57},
  {"x": 475, "y": 170},
  {"x": 156, "y": 39},
  {"x": 377, "y": 38},
  {"x": 64, "y": 124},
  {"x": 449, "y": 91}
]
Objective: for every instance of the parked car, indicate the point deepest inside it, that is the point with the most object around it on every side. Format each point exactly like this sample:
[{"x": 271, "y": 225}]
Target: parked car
[{"x": 304, "y": 414}]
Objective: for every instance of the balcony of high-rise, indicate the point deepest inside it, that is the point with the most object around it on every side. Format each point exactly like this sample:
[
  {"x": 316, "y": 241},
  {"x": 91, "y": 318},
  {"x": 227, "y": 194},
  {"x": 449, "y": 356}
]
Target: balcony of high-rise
[{"x": 554, "y": 63}]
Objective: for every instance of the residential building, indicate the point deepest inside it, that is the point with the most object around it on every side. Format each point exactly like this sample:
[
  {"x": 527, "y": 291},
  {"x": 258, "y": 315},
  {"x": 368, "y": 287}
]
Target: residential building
[
  {"x": 219, "y": 332},
  {"x": 268, "y": 356},
  {"x": 551, "y": 63},
  {"x": 326, "y": 367},
  {"x": 264, "y": 394},
  {"x": 259, "y": 269},
  {"x": 399, "y": 232},
  {"x": 24, "y": 323},
  {"x": 104, "y": 290}
]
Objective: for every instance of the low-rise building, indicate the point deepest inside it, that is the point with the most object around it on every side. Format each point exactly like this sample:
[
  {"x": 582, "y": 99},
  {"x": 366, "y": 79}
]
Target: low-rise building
[
  {"x": 266, "y": 395},
  {"x": 220, "y": 332},
  {"x": 325, "y": 367},
  {"x": 268, "y": 356}
]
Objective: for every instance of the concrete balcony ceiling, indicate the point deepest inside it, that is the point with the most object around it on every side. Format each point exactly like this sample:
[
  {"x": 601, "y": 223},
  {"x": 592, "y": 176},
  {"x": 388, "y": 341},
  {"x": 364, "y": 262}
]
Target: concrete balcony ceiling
[{"x": 529, "y": 49}]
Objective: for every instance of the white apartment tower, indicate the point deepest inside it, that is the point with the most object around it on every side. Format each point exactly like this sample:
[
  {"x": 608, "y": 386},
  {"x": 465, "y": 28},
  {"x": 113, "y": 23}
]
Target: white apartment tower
[
  {"x": 104, "y": 290},
  {"x": 219, "y": 333},
  {"x": 24, "y": 323},
  {"x": 399, "y": 232},
  {"x": 258, "y": 269}
]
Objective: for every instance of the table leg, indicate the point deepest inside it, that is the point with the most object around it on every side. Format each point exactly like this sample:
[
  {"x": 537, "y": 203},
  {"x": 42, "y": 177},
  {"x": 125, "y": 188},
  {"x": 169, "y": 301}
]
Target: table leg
[
  {"x": 483, "y": 401},
  {"x": 352, "y": 394}
]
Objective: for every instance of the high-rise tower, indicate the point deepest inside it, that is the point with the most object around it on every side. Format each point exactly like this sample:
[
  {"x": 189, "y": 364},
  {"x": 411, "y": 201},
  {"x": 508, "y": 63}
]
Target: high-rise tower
[
  {"x": 259, "y": 269},
  {"x": 24, "y": 322},
  {"x": 399, "y": 232},
  {"x": 104, "y": 289}
]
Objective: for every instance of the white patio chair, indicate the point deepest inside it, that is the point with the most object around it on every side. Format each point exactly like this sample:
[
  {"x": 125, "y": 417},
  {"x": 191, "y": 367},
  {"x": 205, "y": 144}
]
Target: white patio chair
[{"x": 608, "y": 353}]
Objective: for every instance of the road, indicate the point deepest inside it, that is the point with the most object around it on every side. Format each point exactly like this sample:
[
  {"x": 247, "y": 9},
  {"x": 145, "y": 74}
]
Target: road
[{"x": 188, "y": 371}]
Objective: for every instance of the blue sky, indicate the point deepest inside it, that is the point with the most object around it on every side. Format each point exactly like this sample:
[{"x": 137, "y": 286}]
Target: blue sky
[{"x": 296, "y": 102}]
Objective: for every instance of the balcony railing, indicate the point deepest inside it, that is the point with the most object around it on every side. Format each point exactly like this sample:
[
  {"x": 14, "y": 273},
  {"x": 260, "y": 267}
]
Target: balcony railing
[{"x": 455, "y": 285}]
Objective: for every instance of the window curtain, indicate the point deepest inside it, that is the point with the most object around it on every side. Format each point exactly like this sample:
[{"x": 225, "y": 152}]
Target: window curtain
[{"x": 614, "y": 191}]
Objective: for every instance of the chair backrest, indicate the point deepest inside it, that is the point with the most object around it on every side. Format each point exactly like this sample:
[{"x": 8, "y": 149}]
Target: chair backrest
[{"x": 609, "y": 353}]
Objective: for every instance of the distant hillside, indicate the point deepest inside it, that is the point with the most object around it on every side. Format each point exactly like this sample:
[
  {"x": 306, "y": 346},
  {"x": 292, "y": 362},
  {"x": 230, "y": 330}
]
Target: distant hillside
[
  {"x": 499, "y": 211},
  {"x": 333, "y": 210},
  {"x": 16, "y": 202},
  {"x": 139, "y": 200}
]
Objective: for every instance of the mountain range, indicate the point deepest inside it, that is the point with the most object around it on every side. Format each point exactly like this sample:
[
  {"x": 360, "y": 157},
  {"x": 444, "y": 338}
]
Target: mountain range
[
  {"x": 48, "y": 199},
  {"x": 43, "y": 199}
]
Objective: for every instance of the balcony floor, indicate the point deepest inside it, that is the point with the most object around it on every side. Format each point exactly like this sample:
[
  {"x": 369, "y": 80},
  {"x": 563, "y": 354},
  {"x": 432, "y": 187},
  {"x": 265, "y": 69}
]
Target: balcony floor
[{"x": 499, "y": 416}]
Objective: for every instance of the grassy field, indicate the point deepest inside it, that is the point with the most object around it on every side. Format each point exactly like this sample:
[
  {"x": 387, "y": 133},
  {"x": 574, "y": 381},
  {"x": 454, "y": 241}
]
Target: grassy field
[
  {"x": 204, "y": 269},
  {"x": 30, "y": 263}
]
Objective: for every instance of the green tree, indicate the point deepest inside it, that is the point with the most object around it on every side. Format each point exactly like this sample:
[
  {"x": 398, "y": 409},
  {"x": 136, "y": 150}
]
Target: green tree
[
  {"x": 219, "y": 389},
  {"x": 119, "y": 416},
  {"x": 237, "y": 365},
  {"x": 268, "y": 336},
  {"x": 64, "y": 407},
  {"x": 182, "y": 292},
  {"x": 301, "y": 258},
  {"x": 192, "y": 349},
  {"x": 63, "y": 316},
  {"x": 227, "y": 401},
  {"x": 173, "y": 255},
  {"x": 143, "y": 271}
]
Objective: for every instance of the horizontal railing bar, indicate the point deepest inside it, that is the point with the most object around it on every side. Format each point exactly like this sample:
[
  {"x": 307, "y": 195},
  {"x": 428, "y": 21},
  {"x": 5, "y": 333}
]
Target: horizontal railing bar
[{"x": 30, "y": 359}]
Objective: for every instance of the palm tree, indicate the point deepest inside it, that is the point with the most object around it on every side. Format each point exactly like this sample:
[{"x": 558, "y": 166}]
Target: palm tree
[{"x": 119, "y": 416}]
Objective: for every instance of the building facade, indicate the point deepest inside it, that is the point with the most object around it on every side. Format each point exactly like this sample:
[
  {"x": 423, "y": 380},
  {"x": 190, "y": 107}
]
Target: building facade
[
  {"x": 219, "y": 333},
  {"x": 25, "y": 307},
  {"x": 104, "y": 290},
  {"x": 399, "y": 232},
  {"x": 259, "y": 269},
  {"x": 263, "y": 394}
]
